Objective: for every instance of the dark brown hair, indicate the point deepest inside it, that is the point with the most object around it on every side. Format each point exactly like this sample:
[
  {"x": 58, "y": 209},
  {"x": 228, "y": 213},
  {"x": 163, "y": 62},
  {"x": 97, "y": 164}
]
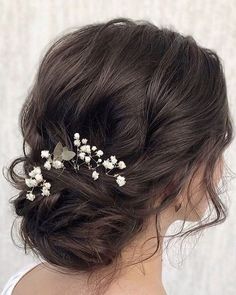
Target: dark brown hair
[{"x": 150, "y": 96}]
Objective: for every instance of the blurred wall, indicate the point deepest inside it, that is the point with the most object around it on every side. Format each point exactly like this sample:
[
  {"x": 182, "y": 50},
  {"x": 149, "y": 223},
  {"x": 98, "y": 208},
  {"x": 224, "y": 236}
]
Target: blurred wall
[{"x": 27, "y": 27}]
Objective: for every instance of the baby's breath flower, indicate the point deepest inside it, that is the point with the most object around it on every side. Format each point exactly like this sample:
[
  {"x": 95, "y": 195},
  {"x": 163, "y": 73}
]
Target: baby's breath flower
[
  {"x": 94, "y": 148},
  {"x": 57, "y": 164},
  {"x": 77, "y": 142},
  {"x": 121, "y": 164},
  {"x": 32, "y": 173},
  {"x": 39, "y": 177},
  {"x": 30, "y": 196},
  {"x": 83, "y": 148},
  {"x": 76, "y": 135},
  {"x": 110, "y": 165},
  {"x": 113, "y": 159},
  {"x": 99, "y": 153},
  {"x": 45, "y": 154},
  {"x": 82, "y": 155},
  {"x": 30, "y": 182},
  {"x": 84, "y": 140},
  {"x": 88, "y": 149},
  {"x": 35, "y": 171},
  {"x": 47, "y": 185},
  {"x": 107, "y": 164},
  {"x": 95, "y": 175},
  {"x": 120, "y": 180},
  {"x": 45, "y": 191},
  {"x": 87, "y": 159},
  {"x": 47, "y": 165}
]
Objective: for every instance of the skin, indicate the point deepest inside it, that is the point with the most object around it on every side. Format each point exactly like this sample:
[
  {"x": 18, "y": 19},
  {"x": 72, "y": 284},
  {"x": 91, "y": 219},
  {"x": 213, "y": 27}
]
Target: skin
[{"x": 141, "y": 279}]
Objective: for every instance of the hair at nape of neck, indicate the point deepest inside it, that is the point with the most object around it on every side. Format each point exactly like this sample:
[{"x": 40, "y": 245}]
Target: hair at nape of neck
[{"x": 84, "y": 152}]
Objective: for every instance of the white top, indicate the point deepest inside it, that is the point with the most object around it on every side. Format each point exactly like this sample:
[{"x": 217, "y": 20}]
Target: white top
[{"x": 14, "y": 279}]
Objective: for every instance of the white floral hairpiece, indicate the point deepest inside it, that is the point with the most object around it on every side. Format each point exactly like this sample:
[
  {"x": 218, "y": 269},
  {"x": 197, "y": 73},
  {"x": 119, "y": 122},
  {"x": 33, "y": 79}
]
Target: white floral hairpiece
[{"x": 61, "y": 153}]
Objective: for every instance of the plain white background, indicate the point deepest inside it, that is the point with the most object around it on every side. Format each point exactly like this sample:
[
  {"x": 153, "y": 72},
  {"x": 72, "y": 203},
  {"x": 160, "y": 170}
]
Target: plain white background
[{"x": 26, "y": 29}]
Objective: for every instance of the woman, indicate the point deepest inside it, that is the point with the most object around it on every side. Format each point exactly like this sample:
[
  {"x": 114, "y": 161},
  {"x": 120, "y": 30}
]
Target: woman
[{"x": 126, "y": 125}]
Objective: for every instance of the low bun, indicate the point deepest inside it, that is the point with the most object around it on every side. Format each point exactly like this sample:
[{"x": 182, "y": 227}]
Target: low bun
[
  {"x": 78, "y": 237},
  {"x": 81, "y": 226}
]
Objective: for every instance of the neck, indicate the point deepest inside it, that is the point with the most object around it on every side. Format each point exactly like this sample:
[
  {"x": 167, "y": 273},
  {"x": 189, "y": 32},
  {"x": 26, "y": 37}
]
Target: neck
[{"x": 144, "y": 277}]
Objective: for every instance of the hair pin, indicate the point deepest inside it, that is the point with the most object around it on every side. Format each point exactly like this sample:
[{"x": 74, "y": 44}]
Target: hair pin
[{"x": 84, "y": 152}]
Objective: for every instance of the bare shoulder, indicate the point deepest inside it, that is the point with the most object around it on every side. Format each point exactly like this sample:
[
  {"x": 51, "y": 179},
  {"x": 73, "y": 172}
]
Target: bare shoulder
[
  {"x": 42, "y": 279},
  {"x": 31, "y": 282}
]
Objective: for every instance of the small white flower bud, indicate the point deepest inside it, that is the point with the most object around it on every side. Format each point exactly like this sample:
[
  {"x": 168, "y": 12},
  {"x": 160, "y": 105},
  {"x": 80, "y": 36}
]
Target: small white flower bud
[
  {"x": 88, "y": 149},
  {"x": 32, "y": 173},
  {"x": 39, "y": 177},
  {"x": 81, "y": 156},
  {"x": 120, "y": 180},
  {"x": 121, "y": 164},
  {"x": 83, "y": 148},
  {"x": 47, "y": 165},
  {"x": 47, "y": 185},
  {"x": 110, "y": 165},
  {"x": 45, "y": 191},
  {"x": 57, "y": 164},
  {"x": 99, "y": 153},
  {"x": 45, "y": 154},
  {"x": 105, "y": 163},
  {"x": 77, "y": 142},
  {"x": 84, "y": 140},
  {"x": 95, "y": 175},
  {"x": 113, "y": 159},
  {"x": 30, "y": 196},
  {"x": 76, "y": 135},
  {"x": 30, "y": 182},
  {"x": 94, "y": 148},
  {"x": 35, "y": 171},
  {"x": 87, "y": 159}
]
